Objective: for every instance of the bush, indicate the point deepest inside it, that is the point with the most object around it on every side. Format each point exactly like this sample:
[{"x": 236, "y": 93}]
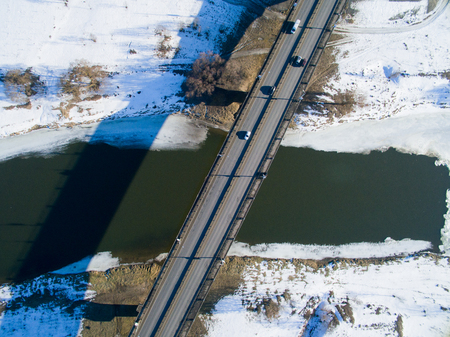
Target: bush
[
  {"x": 163, "y": 47},
  {"x": 82, "y": 79},
  {"x": 206, "y": 72},
  {"x": 21, "y": 85}
]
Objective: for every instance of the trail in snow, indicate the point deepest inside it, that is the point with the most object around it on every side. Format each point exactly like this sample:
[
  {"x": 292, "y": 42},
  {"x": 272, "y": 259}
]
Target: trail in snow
[{"x": 439, "y": 10}]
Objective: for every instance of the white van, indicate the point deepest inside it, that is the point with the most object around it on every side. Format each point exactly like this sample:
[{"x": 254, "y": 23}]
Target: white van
[{"x": 294, "y": 28}]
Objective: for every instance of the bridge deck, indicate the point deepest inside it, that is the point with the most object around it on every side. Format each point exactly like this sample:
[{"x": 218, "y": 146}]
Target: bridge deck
[{"x": 236, "y": 175}]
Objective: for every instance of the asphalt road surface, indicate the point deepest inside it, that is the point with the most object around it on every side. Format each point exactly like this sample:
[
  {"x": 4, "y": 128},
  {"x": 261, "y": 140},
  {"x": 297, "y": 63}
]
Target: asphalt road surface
[{"x": 227, "y": 184}]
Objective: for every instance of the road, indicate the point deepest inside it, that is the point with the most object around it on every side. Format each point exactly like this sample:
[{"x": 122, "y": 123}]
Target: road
[{"x": 200, "y": 244}]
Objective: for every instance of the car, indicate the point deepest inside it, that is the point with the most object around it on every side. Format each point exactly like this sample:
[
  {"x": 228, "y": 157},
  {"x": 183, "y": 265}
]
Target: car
[
  {"x": 272, "y": 90},
  {"x": 295, "y": 26},
  {"x": 247, "y": 135},
  {"x": 296, "y": 60},
  {"x": 299, "y": 61}
]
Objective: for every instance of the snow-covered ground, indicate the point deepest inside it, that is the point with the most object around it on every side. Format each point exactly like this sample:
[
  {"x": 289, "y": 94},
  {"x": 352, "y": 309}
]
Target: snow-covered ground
[
  {"x": 339, "y": 299},
  {"x": 44, "y": 306},
  {"x": 120, "y": 36},
  {"x": 392, "y": 66},
  {"x": 361, "y": 250}
]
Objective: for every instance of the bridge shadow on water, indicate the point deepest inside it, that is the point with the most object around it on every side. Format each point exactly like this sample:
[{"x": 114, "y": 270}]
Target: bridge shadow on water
[{"x": 85, "y": 199}]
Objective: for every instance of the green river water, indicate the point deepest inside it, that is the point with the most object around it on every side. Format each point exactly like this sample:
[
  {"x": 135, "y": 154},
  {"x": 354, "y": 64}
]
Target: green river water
[{"x": 58, "y": 209}]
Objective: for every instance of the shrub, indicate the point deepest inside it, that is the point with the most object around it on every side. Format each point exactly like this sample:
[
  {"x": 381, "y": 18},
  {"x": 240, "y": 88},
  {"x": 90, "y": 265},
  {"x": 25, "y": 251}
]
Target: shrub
[
  {"x": 82, "y": 79},
  {"x": 163, "y": 47},
  {"x": 206, "y": 72},
  {"x": 21, "y": 85}
]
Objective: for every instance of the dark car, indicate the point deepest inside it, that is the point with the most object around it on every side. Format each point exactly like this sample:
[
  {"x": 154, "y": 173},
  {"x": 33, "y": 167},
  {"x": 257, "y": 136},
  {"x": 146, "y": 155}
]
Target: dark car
[
  {"x": 299, "y": 61},
  {"x": 272, "y": 90}
]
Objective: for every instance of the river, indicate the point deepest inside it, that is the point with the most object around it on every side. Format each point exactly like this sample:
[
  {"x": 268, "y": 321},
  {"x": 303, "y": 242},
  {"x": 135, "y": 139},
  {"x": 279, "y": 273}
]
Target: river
[{"x": 89, "y": 198}]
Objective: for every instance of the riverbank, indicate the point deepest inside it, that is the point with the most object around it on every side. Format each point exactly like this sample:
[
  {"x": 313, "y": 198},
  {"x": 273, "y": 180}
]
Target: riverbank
[
  {"x": 173, "y": 132},
  {"x": 273, "y": 297}
]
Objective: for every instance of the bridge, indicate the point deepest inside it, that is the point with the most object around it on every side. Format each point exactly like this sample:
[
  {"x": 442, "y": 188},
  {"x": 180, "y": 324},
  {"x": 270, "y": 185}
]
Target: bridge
[{"x": 237, "y": 173}]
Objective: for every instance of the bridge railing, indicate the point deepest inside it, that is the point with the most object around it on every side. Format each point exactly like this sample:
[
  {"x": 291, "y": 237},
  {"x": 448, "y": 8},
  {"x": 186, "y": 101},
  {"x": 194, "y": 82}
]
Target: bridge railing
[{"x": 256, "y": 181}]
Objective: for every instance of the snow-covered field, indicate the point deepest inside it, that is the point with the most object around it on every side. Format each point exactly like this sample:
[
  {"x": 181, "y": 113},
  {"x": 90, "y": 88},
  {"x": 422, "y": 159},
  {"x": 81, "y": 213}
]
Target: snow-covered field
[
  {"x": 120, "y": 36},
  {"x": 44, "y": 306},
  {"x": 391, "y": 57},
  {"x": 282, "y": 298}
]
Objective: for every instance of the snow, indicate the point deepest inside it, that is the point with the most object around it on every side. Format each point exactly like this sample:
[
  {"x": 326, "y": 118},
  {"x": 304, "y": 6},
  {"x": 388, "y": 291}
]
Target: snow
[
  {"x": 419, "y": 132},
  {"x": 415, "y": 288},
  {"x": 390, "y": 68},
  {"x": 147, "y": 132},
  {"x": 45, "y": 306},
  {"x": 100, "y": 262},
  {"x": 51, "y": 36},
  {"x": 389, "y": 247}
]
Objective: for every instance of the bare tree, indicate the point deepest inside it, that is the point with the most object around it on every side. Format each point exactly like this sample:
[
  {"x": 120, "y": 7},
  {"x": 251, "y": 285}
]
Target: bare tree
[{"x": 206, "y": 72}]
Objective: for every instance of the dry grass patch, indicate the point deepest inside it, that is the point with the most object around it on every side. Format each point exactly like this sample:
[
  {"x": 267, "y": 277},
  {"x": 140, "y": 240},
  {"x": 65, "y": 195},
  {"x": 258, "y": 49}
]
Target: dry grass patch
[
  {"x": 20, "y": 85},
  {"x": 163, "y": 48},
  {"x": 82, "y": 82},
  {"x": 316, "y": 99},
  {"x": 26, "y": 105},
  {"x": 247, "y": 67},
  {"x": 125, "y": 286},
  {"x": 271, "y": 308},
  {"x": 82, "y": 79}
]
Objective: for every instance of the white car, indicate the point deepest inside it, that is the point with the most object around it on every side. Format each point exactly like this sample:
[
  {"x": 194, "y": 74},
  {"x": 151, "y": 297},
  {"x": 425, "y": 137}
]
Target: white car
[{"x": 247, "y": 135}]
